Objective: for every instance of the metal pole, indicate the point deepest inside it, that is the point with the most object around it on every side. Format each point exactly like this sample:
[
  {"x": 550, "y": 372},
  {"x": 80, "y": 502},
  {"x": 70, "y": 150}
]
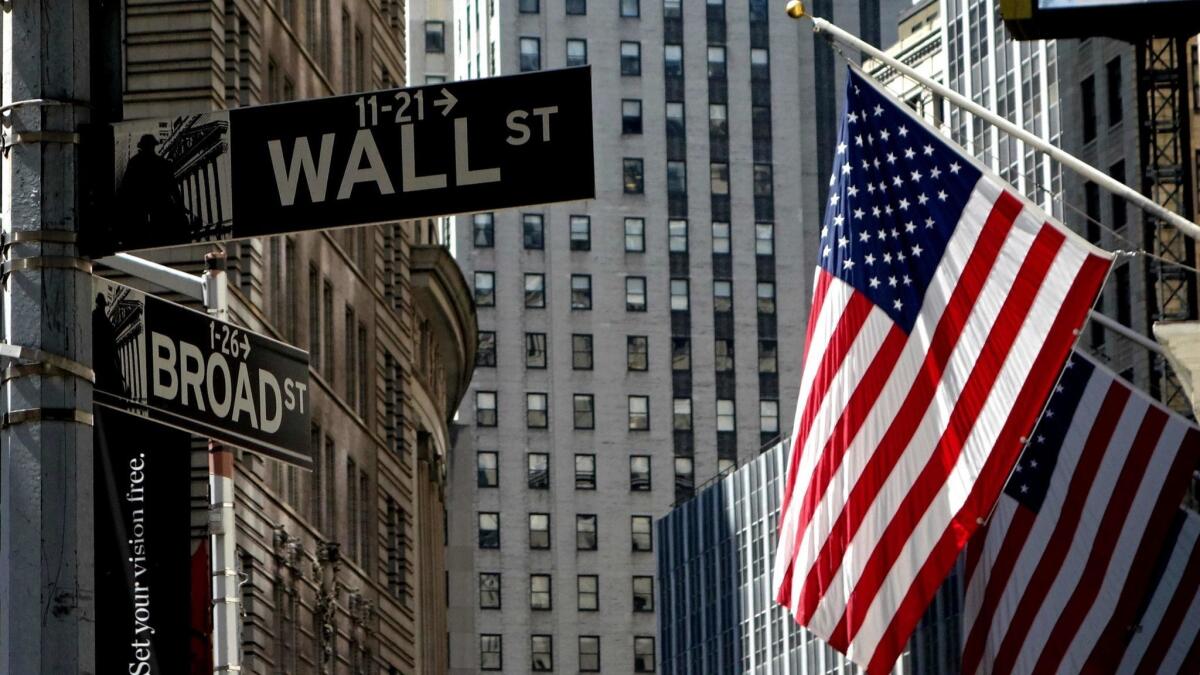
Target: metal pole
[
  {"x": 226, "y": 612},
  {"x": 1127, "y": 332},
  {"x": 1033, "y": 140},
  {"x": 47, "y": 585}
]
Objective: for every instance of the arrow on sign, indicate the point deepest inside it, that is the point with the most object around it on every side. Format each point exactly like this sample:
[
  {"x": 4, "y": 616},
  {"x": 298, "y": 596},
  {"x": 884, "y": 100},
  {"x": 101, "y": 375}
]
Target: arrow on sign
[
  {"x": 245, "y": 344},
  {"x": 446, "y": 103}
]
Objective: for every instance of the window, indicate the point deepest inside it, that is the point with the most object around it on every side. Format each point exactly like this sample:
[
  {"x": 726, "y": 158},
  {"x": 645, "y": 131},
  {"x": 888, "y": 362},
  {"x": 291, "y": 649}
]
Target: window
[
  {"x": 635, "y": 294},
  {"x": 679, "y": 295},
  {"x": 537, "y": 470},
  {"x": 723, "y": 355},
  {"x": 581, "y": 351},
  {"x": 724, "y": 466},
  {"x": 640, "y": 533},
  {"x": 764, "y": 186},
  {"x": 631, "y": 58},
  {"x": 637, "y": 352},
  {"x": 485, "y": 289},
  {"x": 435, "y": 37},
  {"x": 485, "y": 354},
  {"x": 676, "y": 178},
  {"x": 576, "y": 7},
  {"x": 767, "y": 361},
  {"x": 581, "y": 233},
  {"x": 589, "y": 654},
  {"x": 635, "y": 235},
  {"x": 676, "y": 125},
  {"x": 1087, "y": 95},
  {"x": 677, "y": 236},
  {"x": 1124, "y": 311},
  {"x": 489, "y": 530},
  {"x": 766, "y": 298},
  {"x": 764, "y": 239},
  {"x": 768, "y": 416},
  {"x": 531, "y": 54},
  {"x": 535, "y": 290},
  {"x": 718, "y": 120},
  {"x": 487, "y": 473},
  {"x": 490, "y": 654},
  {"x": 643, "y": 655},
  {"x": 673, "y": 60},
  {"x": 576, "y": 53},
  {"x": 585, "y": 472},
  {"x": 542, "y": 652},
  {"x": 483, "y": 225},
  {"x": 533, "y": 226},
  {"x": 588, "y": 592},
  {"x": 630, "y": 8},
  {"x": 685, "y": 477},
  {"x": 1091, "y": 201},
  {"x": 681, "y": 354},
  {"x": 535, "y": 350},
  {"x": 585, "y": 532},
  {"x": 585, "y": 411},
  {"x": 719, "y": 178},
  {"x": 581, "y": 291},
  {"x": 1120, "y": 216},
  {"x": 631, "y": 116},
  {"x": 539, "y": 591},
  {"x": 643, "y": 594},
  {"x": 1116, "y": 106},
  {"x": 539, "y": 538},
  {"x": 535, "y": 411},
  {"x": 760, "y": 65},
  {"x": 639, "y": 413},
  {"x": 634, "y": 176},
  {"x": 683, "y": 414},
  {"x": 722, "y": 295},
  {"x": 720, "y": 238},
  {"x": 485, "y": 408},
  {"x": 725, "y": 415},
  {"x": 525, "y": 7},
  {"x": 639, "y": 473},
  {"x": 716, "y": 62},
  {"x": 489, "y": 590}
]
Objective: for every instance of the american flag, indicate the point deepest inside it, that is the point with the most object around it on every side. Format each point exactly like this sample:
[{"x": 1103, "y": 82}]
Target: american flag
[
  {"x": 943, "y": 309},
  {"x": 1058, "y": 577}
]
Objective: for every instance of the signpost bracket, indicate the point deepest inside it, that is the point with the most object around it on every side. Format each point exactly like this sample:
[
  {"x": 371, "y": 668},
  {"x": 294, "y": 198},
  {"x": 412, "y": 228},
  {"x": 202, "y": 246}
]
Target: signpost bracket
[
  {"x": 15, "y": 417},
  {"x": 38, "y": 357},
  {"x": 45, "y": 262}
]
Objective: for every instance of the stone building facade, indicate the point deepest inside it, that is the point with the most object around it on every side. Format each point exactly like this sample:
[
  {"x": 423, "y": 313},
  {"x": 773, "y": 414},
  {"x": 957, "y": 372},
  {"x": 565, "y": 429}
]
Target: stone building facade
[{"x": 342, "y": 567}]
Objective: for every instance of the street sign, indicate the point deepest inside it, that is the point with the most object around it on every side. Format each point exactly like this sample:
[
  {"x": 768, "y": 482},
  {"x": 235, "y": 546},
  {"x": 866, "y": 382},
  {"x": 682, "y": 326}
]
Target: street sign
[
  {"x": 439, "y": 149},
  {"x": 182, "y": 368}
]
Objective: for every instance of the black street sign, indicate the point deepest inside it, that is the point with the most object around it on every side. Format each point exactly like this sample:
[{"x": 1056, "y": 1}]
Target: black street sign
[
  {"x": 182, "y": 368},
  {"x": 440, "y": 149}
]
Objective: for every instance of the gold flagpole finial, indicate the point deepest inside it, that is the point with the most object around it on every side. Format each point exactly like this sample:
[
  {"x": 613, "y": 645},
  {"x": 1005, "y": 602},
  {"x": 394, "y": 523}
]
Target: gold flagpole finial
[{"x": 795, "y": 9}]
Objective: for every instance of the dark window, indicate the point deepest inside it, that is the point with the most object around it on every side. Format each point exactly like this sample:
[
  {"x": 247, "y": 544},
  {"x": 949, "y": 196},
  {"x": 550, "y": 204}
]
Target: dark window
[
  {"x": 716, "y": 62},
  {"x": 485, "y": 291},
  {"x": 676, "y": 126},
  {"x": 537, "y": 470},
  {"x": 760, "y": 65},
  {"x": 581, "y": 233},
  {"x": 764, "y": 239},
  {"x": 489, "y": 590},
  {"x": 719, "y": 178},
  {"x": 536, "y": 406},
  {"x": 635, "y": 294},
  {"x": 1124, "y": 312},
  {"x": 585, "y": 532},
  {"x": 766, "y": 298},
  {"x": 576, "y": 7},
  {"x": 634, "y": 176},
  {"x": 542, "y": 653},
  {"x": 722, "y": 296},
  {"x": 585, "y": 411},
  {"x": 681, "y": 354},
  {"x": 720, "y": 238},
  {"x": 677, "y": 236},
  {"x": 630, "y": 8},
  {"x": 768, "y": 416},
  {"x": 631, "y": 116},
  {"x": 485, "y": 408},
  {"x": 1120, "y": 216},
  {"x": 672, "y": 9},
  {"x": 763, "y": 185},
  {"x": 486, "y": 469},
  {"x": 637, "y": 352},
  {"x": 1091, "y": 202},
  {"x": 635, "y": 235},
  {"x": 673, "y": 60},
  {"x": 577, "y": 52},
  {"x": 676, "y": 179},
  {"x": 539, "y": 593},
  {"x": 490, "y": 654},
  {"x": 585, "y": 472},
  {"x": 631, "y": 58},
  {"x": 489, "y": 530},
  {"x": 718, "y": 120},
  {"x": 485, "y": 354},
  {"x": 435, "y": 37},
  {"x": 767, "y": 360},
  {"x": 485, "y": 230},
  {"x": 640, "y": 533},
  {"x": 527, "y": 7},
  {"x": 639, "y": 473},
  {"x": 539, "y": 538},
  {"x": 581, "y": 291},
  {"x": 535, "y": 290},
  {"x": 535, "y": 350},
  {"x": 531, "y": 54},
  {"x": 639, "y": 413},
  {"x": 643, "y": 594},
  {"x": 680, "y": 301},
  {"x": 682, "y": 415},
  {"x": 589, "y": 653},
  {"x": 643, "y": 655},
  {"x": 581, "y": 351},
  {"x": 588, "y": 592},
  {"x": 1116, "y": 104},
  {"x": 1087, "y": 96},
  {"x": 726, "y": 415},
  {"x": 685, "y": 477},
  {"x": 533, "y": 226}
]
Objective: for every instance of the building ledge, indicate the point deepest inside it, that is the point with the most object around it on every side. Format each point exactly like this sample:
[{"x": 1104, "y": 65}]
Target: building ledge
[
  {"x": 443, "y": 297},
  {"x": 1181, "y": 340}
]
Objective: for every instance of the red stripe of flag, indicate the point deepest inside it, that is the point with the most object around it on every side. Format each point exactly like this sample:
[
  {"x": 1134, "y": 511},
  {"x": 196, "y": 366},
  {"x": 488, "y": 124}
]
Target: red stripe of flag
[
  {"x": 818, "y": 301},
  {"x": 998, "y": 575},
  {"x": 954, "y": 317},
  {"x": 1172, "y": 618}
]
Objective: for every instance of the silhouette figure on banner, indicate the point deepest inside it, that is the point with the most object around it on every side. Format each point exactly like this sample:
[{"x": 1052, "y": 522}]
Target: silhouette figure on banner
[{"x": 150, "y": 197}]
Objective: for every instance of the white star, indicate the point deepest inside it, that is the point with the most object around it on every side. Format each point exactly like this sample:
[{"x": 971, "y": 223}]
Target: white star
[
  {"x": 1033, "y": 462},
  {"x": 875, "y": 162},
  {"x": 824, "y": 231},
  {"x": 858, "y": 140},
  {"x": 928, "y": 150},
  {"x": 869, "y": 259},
  {"x": 856, "y": 89},
  {"x": 900, "y": 256},
  {"x": 907, "y": 280},
  {"x": 885, "y": 134},
  {"x": 871, "y": 188},
  {"x": 903, "y": 204},
  {"x": 887, "y": 257},
  {"x": 847, "y": 264},
  {"x": 916, "y": 175},
  {"x": 875, "y": 211},
  {"x": 1058, "y": 389},
  {"x": 1024, "y": 489},
  {"x": 1070, "y": 363},
  {"x": 942, "y": 195},
  {"x": 1040, "y": 439},
  {"x": 1018, "y": 469},
  {"x": 917, "y": 250},
  {"x": 888, "y": 209},
  {"x": 846, "y": 168},
  {"x": 883, "y": 186},
  {"x": 832, "y": 179},
  {"x": 935, "y": 172},
  {"x": 898, "y": 305},
  {"x": 891, "y": 159},
  {"x": 954, "y": 167},
  {"x": 870, "y": 139},
  {"x": 929, "y": 223},
  {"x": 841, "y": 147},
  {"x": 897, "y": 181},
  {"x": 864, "y": 236},
  {"x": 865, "y": 165},
  {"x": 903, "y": 131},
  {"x": 882, "y": 235},
  {"x": 878, "y": 110},
  {"x": 858, "y": 214},
  {"x": 922, "y": 198},
  {"x": 874, "y": 282},
  {"x": 910, "y": 227},
  {"x": 895, "y": 233},
  {"x": 842, "y": 241},
  {"x": 1049, "y": 414},
  {"x": 838, "y": 219},
  {"x": 833, "y": 199},
  {"x": 852, "y": 116},
  {"x": 852, "y": 191},
  {"x": 826, "y": 251},
  {"x": 909, "y": 154}
]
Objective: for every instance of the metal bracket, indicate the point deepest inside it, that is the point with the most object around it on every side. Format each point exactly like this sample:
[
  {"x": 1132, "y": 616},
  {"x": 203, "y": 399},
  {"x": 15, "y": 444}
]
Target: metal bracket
[
  {"x": 37, "y": 357},
  {"x": 30, "y": 236},
  {"x": 25, "y": 137},
  {"x": 14, "y": 417},
  {"x": 45, "y": 262}
]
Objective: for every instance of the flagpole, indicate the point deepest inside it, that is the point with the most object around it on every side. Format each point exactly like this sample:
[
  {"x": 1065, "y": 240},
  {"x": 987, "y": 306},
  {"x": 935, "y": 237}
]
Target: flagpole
[{"x": 795, "y": 9}]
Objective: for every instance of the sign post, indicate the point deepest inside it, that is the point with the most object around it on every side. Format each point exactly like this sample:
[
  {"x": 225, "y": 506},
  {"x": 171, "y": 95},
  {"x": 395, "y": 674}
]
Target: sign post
[{"x": 349, "y": 160}]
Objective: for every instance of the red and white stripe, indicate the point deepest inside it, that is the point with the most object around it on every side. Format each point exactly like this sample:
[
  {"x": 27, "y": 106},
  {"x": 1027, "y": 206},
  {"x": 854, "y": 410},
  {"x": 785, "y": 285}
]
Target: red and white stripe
[
  {"x": 902, "y": 441},
  {"x": 1044, "y": 589}
]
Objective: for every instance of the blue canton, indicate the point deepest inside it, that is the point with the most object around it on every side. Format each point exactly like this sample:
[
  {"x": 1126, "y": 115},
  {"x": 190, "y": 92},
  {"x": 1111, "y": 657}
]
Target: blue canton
[
  {"x": 897, "y": 193},
  {"x": 1031, "y": 477}
]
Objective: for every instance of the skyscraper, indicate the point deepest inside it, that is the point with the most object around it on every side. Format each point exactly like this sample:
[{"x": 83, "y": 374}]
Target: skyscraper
[{"x": 635, "y": 345}]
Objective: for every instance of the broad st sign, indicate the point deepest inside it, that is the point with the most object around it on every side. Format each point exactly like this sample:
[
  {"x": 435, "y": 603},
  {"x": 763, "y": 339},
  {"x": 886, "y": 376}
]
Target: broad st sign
[
  {"x": 182, "y": 368},
  {"x": 383, "y": 156}
]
